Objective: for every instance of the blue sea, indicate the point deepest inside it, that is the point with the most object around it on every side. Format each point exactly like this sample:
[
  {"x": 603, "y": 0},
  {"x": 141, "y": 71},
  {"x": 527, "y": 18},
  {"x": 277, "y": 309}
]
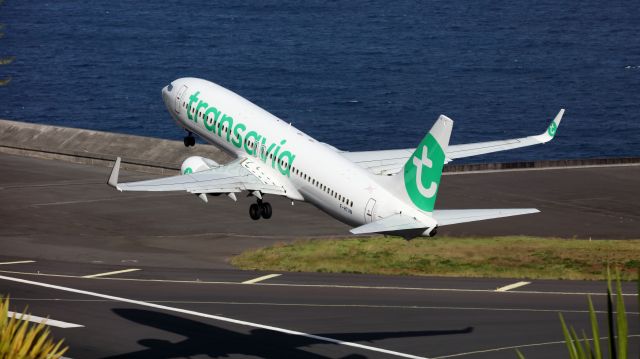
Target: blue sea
[{"x": 357, "y": 74}]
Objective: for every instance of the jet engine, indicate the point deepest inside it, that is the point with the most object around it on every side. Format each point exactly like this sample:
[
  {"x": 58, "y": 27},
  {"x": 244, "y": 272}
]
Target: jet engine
[{"x": 195, "y": 164}]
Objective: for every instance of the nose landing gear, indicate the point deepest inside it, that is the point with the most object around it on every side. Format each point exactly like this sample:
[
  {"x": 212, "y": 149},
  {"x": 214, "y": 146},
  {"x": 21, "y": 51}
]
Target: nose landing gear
[
  {"x": 189, "y": 140},
  {"x": 260, "y": 209}
]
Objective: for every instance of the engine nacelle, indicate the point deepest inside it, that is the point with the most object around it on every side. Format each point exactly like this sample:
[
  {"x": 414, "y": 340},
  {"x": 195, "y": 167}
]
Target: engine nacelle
[{"x": 195, "y": 164}]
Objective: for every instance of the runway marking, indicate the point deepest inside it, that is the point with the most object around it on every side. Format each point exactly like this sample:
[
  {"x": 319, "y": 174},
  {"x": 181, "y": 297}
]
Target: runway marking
[
  {"x": 517, "y": 347},
  {"x": 111, "y": 273},
  {"x": 215, "y": 317},
  {"x": 49, "y": 321},
  {"x": 260, "y": 279},
  {"x": 512, "y": 286},
  {"x": 314, "y": 305},
  {"x": 116, "y": 198},
  {"x": 338, "y": 286},
  {"x": 17, "y": 262}
]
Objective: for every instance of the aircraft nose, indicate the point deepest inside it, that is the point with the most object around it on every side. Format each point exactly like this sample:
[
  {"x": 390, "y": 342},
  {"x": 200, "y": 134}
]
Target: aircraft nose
[{"x": 166, "y": 93}]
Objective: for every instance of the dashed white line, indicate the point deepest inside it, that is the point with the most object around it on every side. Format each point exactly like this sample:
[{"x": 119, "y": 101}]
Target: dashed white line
[
  {"x": 111, "y": 273},
  {"x": 337, "y": 286},
  {"x": 260, "y": 279},
  {"x": 512, "y": 286},
  {"x": 215, "y": 317},
  {"x": 17, "y": 262},
  {"x": 51, "y": 322}
]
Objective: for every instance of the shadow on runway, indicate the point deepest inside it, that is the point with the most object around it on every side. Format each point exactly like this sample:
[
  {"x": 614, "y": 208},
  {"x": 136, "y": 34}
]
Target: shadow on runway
[{"x": 206, "y": 339}]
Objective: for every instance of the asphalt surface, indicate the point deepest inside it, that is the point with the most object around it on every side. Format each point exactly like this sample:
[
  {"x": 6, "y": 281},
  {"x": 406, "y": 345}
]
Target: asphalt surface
[{"x": 63, "y": 223}]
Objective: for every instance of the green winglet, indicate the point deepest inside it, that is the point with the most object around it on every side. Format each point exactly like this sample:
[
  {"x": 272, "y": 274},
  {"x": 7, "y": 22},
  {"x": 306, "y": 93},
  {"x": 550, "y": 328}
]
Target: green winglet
[{"x": 553, "y": 126}]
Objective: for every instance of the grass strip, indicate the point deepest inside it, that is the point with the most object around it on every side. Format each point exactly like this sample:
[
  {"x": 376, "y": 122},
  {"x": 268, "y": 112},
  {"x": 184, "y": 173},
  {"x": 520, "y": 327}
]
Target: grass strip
[{"x": 495, "y": 257}]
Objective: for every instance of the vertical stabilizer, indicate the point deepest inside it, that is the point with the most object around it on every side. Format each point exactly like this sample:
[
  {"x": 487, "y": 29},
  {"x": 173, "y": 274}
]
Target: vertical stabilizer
[{"x": 421, "y": 174}]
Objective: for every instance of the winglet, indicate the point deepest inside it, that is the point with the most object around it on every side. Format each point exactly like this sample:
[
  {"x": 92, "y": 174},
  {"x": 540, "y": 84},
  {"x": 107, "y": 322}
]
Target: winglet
[
  {"x": 113, "y": 178},
  {"x": 548, "y": 135}
]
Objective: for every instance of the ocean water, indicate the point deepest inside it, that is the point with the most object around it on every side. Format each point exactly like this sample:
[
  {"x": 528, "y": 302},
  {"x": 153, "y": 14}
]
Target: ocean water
[{"x": 357, "y": 74}]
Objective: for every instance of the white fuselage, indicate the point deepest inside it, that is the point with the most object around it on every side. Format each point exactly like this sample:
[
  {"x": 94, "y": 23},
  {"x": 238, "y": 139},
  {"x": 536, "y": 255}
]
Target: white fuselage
[{"x": 308, "y": 170}]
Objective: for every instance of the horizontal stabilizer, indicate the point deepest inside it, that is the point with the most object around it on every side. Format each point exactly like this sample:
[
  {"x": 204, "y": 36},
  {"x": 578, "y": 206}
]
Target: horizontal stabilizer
[
  {"x": 453, "y": 216},
  {"x": 397, "y": 224}
]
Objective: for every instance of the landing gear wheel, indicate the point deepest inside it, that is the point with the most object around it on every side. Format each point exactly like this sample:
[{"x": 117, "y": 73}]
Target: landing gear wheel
[
  {"x": 266, "y": 210},
  {"x": 254, "y": 212},
  {"x": 189, "y": 140}
]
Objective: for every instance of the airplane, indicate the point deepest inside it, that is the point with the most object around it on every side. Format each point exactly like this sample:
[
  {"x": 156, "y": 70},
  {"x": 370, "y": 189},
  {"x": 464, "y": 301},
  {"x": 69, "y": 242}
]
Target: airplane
[{"x": 388, "y": 191}]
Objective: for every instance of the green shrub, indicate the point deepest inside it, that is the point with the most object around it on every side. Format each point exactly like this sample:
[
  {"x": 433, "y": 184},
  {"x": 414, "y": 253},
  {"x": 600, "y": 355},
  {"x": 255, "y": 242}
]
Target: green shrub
[
  {"x": 585, "y": 347},
  {"x": 20, "y": 339}
]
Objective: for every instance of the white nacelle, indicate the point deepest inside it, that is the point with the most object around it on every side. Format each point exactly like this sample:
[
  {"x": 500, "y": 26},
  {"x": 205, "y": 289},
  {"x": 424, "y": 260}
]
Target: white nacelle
[{"x": 195, "y": 164}]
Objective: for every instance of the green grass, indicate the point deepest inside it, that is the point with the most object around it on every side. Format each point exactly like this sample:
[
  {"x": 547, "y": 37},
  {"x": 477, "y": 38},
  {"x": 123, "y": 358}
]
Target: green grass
[{"x": 510, "y": 257}]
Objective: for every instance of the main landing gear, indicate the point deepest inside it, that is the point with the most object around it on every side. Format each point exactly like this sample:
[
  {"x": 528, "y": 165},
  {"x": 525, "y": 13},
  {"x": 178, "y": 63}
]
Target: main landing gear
[
  {"x": 260, "y": 209},
  {"x": 189, "y": 140}
]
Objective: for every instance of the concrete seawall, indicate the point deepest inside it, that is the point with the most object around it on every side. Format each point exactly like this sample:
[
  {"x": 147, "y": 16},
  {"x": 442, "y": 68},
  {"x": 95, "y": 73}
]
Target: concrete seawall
[
  {"x": 164, "y": 156},
  {"x": 100, "y": 148}
]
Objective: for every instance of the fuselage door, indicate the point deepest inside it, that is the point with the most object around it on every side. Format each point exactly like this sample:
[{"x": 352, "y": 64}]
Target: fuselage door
[
  {"x": 179, "y": 98},
  {"x": 370, "y": 211}
]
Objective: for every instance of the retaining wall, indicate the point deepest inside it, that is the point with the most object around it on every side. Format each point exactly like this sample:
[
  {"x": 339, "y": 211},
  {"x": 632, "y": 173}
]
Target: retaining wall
[{"x": 164, "y": 156}]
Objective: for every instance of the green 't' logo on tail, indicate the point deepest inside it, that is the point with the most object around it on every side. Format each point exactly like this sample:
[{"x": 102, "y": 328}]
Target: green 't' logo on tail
[
  {"x": 552, "y": 129},
  {"x": 422, "y": 173}
]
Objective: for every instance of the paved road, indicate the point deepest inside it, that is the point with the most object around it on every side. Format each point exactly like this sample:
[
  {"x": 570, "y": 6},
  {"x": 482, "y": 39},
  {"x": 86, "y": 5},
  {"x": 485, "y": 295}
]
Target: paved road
[
  {"x": 59, "y": 210},
  {"x": 62, "y": 217},
  {"x": 189, "y": 313}
]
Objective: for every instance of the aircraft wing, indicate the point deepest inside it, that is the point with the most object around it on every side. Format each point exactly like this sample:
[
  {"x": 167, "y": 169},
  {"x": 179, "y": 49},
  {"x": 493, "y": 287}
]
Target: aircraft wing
[
  {"x": 388, "y": 162},
  {"x": 230, "y": 178}
]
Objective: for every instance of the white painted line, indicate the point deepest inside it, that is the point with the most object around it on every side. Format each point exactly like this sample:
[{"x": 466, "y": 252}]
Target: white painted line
[
  {"x": 113, "y": 198},
  {"x": 512, "y": 286},
  {"x": 215, "y": 317},
  {"x": 17, "y": 262},
  {"x": 49, "y": 321},
  {"x": 260, "y": 279},
  {"x": 313, "y": 305},
  {"x": 518, "y": 347},
  {"x": 336, "y": 286},
  {"x": 111, "y": 273}
]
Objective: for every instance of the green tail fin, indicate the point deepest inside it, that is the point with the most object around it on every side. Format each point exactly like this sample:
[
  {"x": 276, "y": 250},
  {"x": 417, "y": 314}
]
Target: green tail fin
[{"x": 423, "y": 170}]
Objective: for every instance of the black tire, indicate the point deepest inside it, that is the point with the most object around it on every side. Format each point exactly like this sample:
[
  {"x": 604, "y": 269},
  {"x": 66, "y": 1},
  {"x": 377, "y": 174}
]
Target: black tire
[
  {"x": 186, "y": 141},
  {"x": 266, "y": 210},
  {"x": 254, "y": 212},
  {"x": 192, "y": 141}
]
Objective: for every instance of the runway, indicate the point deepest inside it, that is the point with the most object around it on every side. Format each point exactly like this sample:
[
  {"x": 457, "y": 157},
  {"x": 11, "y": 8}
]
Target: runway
[
  {"x": 164, "y": 257},
  {"x": 387, "y": 316}
]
